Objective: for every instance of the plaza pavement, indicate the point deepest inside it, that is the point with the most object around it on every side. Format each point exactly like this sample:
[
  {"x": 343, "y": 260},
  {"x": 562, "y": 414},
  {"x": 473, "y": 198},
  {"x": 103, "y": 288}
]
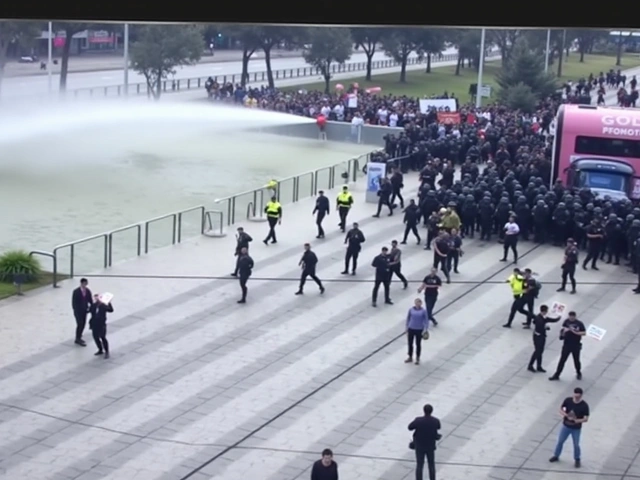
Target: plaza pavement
[{"x": 200, "y": 387}]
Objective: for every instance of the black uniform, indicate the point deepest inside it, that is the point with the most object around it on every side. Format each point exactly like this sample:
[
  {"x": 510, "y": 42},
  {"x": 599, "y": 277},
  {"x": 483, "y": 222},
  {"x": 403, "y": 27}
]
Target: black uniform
[
  {"x": 454, "y": 254},
  {"x": 396, "y": 186},
  {"x": 383, "y": 277},
  {"x": 321, "y": 210},
  {"x": 443, "y": 247},
  {"x": 411, "y": 220},
  {"x": 569, "y": 268},
  {"x": 572, "y": 346},
  {"x": 433, "y": 283},
  {"x": 81, "y": 304},
  {"x": 309, "y": 261},
  {"x": 528, "y": 299},
  {"x": 539, "y": 340},
  {"x": 594, "y": 245},
  {"x": 245, "y": 267},
  {"x": 384, "y": 198},
  {"x": 98, "y": 325},
  {"x": 242, "y": 241},
  {"x": 396, "y": 266},
  {"x": 354, "y": 240}
]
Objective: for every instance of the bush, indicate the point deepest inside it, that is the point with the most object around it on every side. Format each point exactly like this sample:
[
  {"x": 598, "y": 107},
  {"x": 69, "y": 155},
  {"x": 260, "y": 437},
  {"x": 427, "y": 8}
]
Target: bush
[
  {"x": 519, "y": 97},
  {"x": 18, "y": 262}
]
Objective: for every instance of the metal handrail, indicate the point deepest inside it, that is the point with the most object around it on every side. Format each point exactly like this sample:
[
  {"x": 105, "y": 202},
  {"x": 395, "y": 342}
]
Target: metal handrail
[
  {"x": 202, "y": 210},
  {"x": 138, "y": 228},
  {"x": 72, "y": 246},
  {"x": 174, "y": 218},
  {"x": 218, "y": 213},
  {"x": 50, "y": 255}
]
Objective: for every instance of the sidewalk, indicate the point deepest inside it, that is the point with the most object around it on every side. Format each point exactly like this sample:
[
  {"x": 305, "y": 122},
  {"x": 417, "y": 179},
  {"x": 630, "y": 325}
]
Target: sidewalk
[{"x": 98, "y": 63}]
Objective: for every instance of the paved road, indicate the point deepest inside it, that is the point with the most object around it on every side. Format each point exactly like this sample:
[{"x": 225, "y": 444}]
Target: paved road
[
  {"x": 38, "y": 85},
  {"x": 256, "y": 391}
]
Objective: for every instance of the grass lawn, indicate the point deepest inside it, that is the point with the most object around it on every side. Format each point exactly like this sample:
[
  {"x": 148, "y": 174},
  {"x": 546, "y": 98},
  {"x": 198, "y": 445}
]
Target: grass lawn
[
  {"x": 441, "y": 79},
  {"x": 46, "y": 278}
]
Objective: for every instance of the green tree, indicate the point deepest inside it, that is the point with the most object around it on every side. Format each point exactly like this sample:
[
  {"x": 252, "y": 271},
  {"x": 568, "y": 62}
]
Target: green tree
[
  {"x": 161, "y": 48},
  {"x": 621, "y": 41},
  {"x": 69, "y": 29},
  {"x": 519, "y": 97},
  {"x": 586, "y": 39},
  {"x": 468, "y": 43},
  {"x": 270, "y": 37},
  {"x": 328, "y": 46},
  {"x": 21, "y": 33},
  {"x": 249, "y": 38},
  {"x": 368, "y": 39},
  {"x": 431, "y": 41},
  {"x": 398, "y": 44},
  {"x": 527, "y": 68},
  {"x": 505, "y": 39}
]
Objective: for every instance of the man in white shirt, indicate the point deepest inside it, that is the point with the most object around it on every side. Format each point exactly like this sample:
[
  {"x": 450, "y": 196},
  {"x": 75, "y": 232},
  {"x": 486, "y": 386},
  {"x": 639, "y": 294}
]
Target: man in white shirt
[
  {"x": 325, "y": 110},
  {"x": 382, "y": 115},
  {"x": 393, "y": 119},
  {"x": 356, "y": 125},
  {"x": 339, "y": 112},
  {"x": 511, "y": 232}
]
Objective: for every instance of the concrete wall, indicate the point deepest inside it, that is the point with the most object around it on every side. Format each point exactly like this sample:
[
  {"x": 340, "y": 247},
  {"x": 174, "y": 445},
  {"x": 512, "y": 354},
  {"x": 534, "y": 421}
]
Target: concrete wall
[{"x": 336, "y": 132}]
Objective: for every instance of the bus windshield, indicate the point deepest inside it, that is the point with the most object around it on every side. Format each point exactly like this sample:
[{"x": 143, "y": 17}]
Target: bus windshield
[{"x": 604, "y": 180}]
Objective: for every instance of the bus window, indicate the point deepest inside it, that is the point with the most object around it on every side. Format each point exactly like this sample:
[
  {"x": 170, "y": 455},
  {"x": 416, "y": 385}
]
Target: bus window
[
  {"x": 608, "y": 147},
  {"x": 603, "y": 180}
]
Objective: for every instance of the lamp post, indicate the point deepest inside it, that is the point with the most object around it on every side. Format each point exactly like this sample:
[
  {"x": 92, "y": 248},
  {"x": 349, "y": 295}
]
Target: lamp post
[{"x": 480, "y": 70}]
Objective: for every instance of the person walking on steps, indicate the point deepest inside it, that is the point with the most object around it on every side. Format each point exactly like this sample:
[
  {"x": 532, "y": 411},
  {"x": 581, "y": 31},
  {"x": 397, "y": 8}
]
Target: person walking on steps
[
  {"x": 571, "y": 335},
  {"x": 344, "y": 202},
  {"x": 569, "y": 265},
  {"x": 383, "y": 276},
  {"x": 81, "y": 302},
  {"x": 574, "y": 412},
  {"x": 353, "y": 240},
  {"x": 245, "y": 267},
  {"x": 411, "y": 220},
  {"x": 430, "y": 286},
  {"x": 98, "y": 325},
  {"x": 417, "y": 324},
  {"x": 540, "y": 328},
  {"x": 396, "y": 264},
  {"x": 274, "y": 217},
  {"x": 243, "y": 239},
  {"x": 511, "y": 233},
  {"x": 308, "y": 263},
  {"x": 321, "y": 210}
]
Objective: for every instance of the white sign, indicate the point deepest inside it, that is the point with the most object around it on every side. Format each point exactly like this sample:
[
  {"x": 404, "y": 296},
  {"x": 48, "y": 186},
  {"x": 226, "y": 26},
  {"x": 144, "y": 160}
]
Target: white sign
[
  {"x": 106, "y": 297},
  {"x": 485, "y": 91},
  {"x": 558, "y": 309},
  {"x": 440, "y": 104},
  {"x": 596, "y": 332},
  {"x": 375, "y": 173},
  {"x": 352, "y": 101}
]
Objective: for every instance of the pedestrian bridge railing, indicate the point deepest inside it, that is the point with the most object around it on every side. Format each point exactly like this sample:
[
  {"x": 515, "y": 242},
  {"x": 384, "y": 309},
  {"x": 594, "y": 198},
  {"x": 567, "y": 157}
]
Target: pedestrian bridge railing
[
  {"x": 140, "y": 238},
  {"x": 254, "y": 78}
]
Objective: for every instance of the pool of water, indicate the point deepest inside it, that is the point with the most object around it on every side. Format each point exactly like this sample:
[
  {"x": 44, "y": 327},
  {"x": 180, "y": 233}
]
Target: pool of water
[{"x": 70, "y": 182}]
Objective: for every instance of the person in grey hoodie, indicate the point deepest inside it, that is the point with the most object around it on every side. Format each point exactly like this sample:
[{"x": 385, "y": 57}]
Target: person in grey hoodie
[{"x": 417, "y": 324}]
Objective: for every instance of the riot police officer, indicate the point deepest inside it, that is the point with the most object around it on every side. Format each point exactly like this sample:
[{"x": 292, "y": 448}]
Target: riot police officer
[
  {"x": 571, "y": 335},
  {"x": 569, "y": 266},
  {"x": 595, "y": 237}
]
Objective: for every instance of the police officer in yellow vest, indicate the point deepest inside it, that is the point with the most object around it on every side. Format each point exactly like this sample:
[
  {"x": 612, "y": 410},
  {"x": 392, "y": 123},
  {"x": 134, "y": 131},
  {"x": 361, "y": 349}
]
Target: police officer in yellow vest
[
  {"x": 343, "y": 205},
  {"x": 517, "y": 283},
  {"x": 274, "y": 217}
]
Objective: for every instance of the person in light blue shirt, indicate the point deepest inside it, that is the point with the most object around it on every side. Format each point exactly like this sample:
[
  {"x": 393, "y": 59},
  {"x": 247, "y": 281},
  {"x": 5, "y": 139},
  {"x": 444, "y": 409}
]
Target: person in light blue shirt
[{"x": 417, "y": 324}]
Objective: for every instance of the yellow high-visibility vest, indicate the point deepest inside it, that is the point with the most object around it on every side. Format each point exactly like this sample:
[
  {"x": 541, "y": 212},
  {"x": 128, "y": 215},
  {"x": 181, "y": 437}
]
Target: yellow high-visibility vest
[
  {"x": 344, "y": 199},
  {"x": 517, "y": 284},
  {"x": 273, "y": 209}
]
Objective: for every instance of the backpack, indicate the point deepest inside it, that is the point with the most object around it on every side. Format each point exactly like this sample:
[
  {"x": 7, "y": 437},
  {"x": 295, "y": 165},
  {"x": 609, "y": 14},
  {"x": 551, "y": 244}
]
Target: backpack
[{"x": 538, "y": 288}]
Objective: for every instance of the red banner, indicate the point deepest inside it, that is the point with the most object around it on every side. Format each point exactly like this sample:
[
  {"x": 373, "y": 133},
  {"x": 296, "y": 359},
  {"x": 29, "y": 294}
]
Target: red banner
[{"x": 449, "y": 118}]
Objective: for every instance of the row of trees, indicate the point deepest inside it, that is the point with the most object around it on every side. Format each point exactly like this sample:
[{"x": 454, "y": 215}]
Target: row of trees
[{"x": 157, "y": 50}]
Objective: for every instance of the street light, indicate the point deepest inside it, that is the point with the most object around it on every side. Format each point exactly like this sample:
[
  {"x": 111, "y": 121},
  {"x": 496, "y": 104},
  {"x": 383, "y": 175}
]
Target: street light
[
  {"x": 126, "y": 59},
  {"x": 50, "y": 56},
  {"x": 480, "y": 70},
  {"x": 547, "y": 51}
]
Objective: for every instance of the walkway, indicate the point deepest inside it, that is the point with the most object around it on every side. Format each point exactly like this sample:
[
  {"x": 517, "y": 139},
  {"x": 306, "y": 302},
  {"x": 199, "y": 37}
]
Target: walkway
[{"x": 200, "y": 387}]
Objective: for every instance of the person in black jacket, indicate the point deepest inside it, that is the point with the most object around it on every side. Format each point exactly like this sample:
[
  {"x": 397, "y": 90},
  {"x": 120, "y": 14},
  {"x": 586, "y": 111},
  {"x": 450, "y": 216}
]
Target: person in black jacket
[
  {"x": 425, "y": 435},
  {"x": 540, "y": 328},
  {"x": 353, "y": 240},
  {"x": 81, "y": 301},
  {"x": 245, "y": 267},
  {"x": 325, "y": 468},
  {"x": 98, "y": 325},
  {"x": 397, "y": 184},
  {"x": 308, "y": 263},
  {"x": 243, "y": 239},
  {"x": 384, "y": 197},
  {"x": 321, "y": 210},
  {"x": 411, "y": 220},
  {"x": 383, "y": 276}
]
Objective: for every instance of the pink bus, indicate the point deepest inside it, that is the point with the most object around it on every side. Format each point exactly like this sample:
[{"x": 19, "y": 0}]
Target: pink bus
[{"x": 598, "y": 148}]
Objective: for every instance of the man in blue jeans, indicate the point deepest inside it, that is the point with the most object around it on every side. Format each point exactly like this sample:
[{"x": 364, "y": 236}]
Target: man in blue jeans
[{"x": 574, "y": 411}]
